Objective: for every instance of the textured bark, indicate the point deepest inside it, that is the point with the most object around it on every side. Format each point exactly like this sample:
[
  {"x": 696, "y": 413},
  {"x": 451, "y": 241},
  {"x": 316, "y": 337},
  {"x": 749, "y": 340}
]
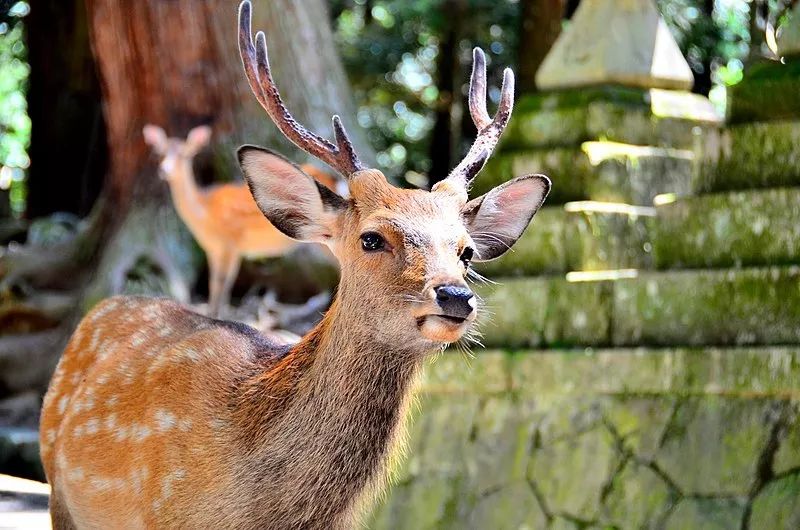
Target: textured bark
[
  {"x": 68, "y": 156},
  {"x": 540, "y": 22},
  {"x": 174, "y": 63}
]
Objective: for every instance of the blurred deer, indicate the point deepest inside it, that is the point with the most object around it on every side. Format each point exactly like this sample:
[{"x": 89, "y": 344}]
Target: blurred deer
[
  {"x": 224, "y": 219},
  {"x": 158, "y": 417}
]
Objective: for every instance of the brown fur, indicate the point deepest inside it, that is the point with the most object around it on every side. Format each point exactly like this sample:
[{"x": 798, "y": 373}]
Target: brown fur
[
  {"x": 159, "y": 417},
  {"x": 224, "y": 219}
]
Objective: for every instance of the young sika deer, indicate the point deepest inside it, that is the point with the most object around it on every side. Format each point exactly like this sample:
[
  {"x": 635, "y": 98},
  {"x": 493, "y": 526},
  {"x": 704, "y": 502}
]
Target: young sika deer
[
  {"x": 158, "y": 417},
  {"x": 224, "y": 219}
]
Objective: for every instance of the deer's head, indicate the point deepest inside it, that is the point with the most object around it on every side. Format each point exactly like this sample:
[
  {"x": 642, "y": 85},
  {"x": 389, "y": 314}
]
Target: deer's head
[
  {"x": 405, "y": 254},
  {"x": 171, "y": 151}
]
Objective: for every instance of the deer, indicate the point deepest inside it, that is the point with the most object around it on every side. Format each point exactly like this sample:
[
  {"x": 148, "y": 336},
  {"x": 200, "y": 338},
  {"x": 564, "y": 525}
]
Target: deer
[
  {"x": 224, "y": 219},
  {"x": 159, "y": 417}
]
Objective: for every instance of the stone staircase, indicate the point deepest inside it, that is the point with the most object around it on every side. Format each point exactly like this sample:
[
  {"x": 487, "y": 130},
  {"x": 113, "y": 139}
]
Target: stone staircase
[{"x": 642, "y": 352}]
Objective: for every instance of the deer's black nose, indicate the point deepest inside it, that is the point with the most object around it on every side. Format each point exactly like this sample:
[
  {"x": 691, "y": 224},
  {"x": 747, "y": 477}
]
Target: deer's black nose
[{"x": 455, "y": 301}]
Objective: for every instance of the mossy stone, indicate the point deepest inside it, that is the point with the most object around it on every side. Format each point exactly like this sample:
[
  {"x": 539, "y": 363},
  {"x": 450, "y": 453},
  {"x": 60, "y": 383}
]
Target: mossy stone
[
  {"x": 546, "y": 311},
  {"x": 746, "y": 228},
  {"x": 637, "y": 498},
  {"x": 777, "y": 506},
  {"x": 712, "y": 445},
  {"x": 708, "y": 514},
  {"x": 749, "y": 156},
  {"x": 768, "y": 91},
  {"x": 727, "y": 307},
  {"x": 597, "y": 170}
]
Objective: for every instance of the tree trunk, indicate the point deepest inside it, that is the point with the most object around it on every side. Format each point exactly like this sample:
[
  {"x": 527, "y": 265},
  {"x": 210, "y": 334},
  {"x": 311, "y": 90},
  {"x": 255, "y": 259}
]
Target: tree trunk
[
  {"x": 174, "y": 63},
  {"x": 448, "y": 68},
  {"x": 540, "y": 25},
  {"x": 68, "y": 155}
]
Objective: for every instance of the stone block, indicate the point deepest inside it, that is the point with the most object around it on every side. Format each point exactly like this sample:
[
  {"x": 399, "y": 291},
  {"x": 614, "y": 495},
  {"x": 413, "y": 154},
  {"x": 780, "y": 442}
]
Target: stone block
[
  {"x": 637, "y": 498},
  {"x": 749, "y": 156},
  {"x": 582, "y": 236},
  {"x": 777, "y": 506},
  {"x": 708, "y": 514},
  {"x": 746, "y": 228},
  {"x": 567, "y": 118},
  {"x": 589, "y": 455},
  {"x": 600, "y": 171},
  {"x": 721, "y": 307},
  {"x": 711, "y": 446},
  {"x": 534, "y": 312},
  {"x": 767, "y": 92},
  {"x": 510, "y": 507}
]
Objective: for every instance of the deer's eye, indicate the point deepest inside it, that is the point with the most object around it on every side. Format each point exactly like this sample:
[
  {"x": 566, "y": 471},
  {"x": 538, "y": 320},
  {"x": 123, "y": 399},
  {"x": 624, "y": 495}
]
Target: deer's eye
[
  {"x": 372, "y": 241},
  {"x": 466, "y": 256}
]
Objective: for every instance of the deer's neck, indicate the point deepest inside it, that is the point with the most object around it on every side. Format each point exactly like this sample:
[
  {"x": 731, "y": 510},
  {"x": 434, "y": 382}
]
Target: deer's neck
[
  {"x": 325, "y": 419},
  {"x": 186, "y": 196}
]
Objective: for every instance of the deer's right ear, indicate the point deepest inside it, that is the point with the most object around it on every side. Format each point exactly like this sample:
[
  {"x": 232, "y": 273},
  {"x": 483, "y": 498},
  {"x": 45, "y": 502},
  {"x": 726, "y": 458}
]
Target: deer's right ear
[
  {"x": 294, "y": 203},
  {"x": 154, "y": 136}
]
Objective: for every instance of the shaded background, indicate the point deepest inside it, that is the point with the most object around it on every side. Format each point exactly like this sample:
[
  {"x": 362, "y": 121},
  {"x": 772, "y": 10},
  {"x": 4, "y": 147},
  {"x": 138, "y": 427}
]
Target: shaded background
[{"x": 640, "y": 367}]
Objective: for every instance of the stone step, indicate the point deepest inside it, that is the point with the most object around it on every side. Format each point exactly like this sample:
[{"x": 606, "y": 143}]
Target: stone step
[
  {"x": 622, "y": 438},
  {"x": 746, "y": 228},
  {"x": 600, "y": 171},
  {"x": 579, "y": 236},
  {"x": 563, "y": 118},
  {"x": 748, "y": 156},
  {"x": 694, "y": 307}
]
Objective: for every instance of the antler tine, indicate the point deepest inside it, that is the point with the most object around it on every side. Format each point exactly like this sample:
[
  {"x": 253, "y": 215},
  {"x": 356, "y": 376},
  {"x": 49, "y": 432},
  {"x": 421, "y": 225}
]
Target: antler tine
[
  {"x": 255, "y": 60},
  {"x": 489, "y": 129},
  {"x": 477, "y": 90}
]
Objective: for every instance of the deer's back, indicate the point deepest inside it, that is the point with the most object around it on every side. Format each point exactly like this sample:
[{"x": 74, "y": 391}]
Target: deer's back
[
  {"x": 136, "y": 424},
  {"x": 234, "y": 219}
]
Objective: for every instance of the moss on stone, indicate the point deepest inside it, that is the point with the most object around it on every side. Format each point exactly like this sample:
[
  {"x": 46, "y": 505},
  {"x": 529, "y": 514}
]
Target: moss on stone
[
  {"x": 749, "y": 156},
  {"x": 777, "y": 506},
  {"x": 644, "y": 117},
  {"x": 754, "y": 227},
  {"x": 767, "y": 92},
  {"x": 749, "y": 306},
  {"x": 638, "y": 498},
  {"x": 602, "y": 171},
  {"x": 708, "y": 514},
  {"x": 546, "y": 311}
]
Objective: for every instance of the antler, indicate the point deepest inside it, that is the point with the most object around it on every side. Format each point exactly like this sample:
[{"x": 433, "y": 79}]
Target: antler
[
  {"x": 340, "y": 156},
  {"x": 489, "y": 129}
]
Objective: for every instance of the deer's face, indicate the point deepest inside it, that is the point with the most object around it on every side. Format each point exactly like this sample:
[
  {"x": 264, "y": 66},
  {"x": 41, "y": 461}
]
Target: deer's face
[
  {"x": 172, "y": 151},
  {"x": 405, "y": 254}
]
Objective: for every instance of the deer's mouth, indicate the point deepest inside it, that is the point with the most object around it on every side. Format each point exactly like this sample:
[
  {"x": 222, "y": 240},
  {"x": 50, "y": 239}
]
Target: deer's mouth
[{"x": 442, "y": 328}]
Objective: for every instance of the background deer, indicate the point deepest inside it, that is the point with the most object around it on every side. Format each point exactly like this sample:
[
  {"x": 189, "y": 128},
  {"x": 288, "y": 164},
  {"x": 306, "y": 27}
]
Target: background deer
[
  {"x": 158, "y": 417},
  {"x": 223, "y": 218}
]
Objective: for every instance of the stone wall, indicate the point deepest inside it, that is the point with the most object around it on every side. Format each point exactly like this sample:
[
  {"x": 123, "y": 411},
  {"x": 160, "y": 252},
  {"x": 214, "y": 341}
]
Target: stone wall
[{"x": 639, "y": 438}]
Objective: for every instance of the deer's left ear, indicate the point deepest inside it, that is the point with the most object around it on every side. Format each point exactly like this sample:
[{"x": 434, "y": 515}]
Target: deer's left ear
[{"x": 497, "y": 219}]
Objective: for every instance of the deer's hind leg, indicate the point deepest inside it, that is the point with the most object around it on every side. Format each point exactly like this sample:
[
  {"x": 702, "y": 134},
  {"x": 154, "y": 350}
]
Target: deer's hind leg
[{"x": 59, "y": 514}]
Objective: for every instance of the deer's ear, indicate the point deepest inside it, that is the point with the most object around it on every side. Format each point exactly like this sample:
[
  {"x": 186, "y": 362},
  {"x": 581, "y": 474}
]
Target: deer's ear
[
  {"x": 198, "y": 138},
  {"x": 497, "y": 219},
  {"x": 154, "y": 136},
  {"x": 294, "y": 202}
]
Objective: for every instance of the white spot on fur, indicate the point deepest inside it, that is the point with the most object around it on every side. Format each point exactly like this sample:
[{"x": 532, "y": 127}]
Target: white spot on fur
[
  {"x": 217, "y": 424},
  {"x": 140, "y": 432},
  {"x": 110, "y": 422},
  {"x": 76, "y": 474},
  {"x": 51, "y": 436},
  {"x": 165, "y": 420},
  {"x": 138, "y": 339},
  {"x": 164, "y": 331},
  {"x": 62, "y": 404},
  {"x": 95, "y": 339},
  {"x": 92, "y": 426}
]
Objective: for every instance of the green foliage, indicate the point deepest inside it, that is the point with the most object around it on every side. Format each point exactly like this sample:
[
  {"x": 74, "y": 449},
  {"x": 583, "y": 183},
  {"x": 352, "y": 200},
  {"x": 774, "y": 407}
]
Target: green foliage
[
  {"x": 15, "y": 126},
  {"x": 390, "y": 49}
]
